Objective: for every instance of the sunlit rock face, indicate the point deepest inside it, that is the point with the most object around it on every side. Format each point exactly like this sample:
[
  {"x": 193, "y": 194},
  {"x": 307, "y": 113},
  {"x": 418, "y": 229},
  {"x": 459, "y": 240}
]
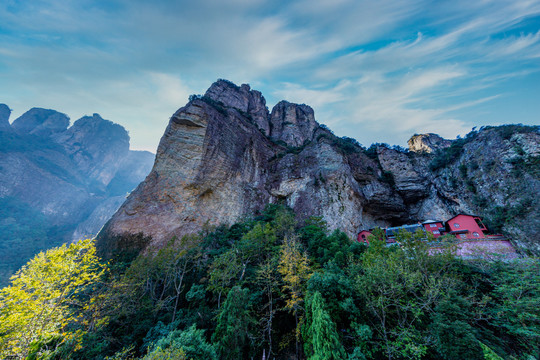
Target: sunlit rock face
[
  {"x": 427, "y": 143},
  {"x": 292, "y": 123},
  {"x": 224, "y": 156}
]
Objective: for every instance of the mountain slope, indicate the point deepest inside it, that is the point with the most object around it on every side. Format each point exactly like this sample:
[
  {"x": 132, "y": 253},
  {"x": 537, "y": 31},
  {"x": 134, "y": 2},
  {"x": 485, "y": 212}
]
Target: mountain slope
[{"x": 224, "y": 155}]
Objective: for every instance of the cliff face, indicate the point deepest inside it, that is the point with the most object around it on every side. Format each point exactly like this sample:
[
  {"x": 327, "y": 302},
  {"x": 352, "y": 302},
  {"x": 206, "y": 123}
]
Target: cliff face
[
  {"x": 497, "y": 175},
  {"x": 64, "y": 175},
  {"x": 224, "y": 155}
]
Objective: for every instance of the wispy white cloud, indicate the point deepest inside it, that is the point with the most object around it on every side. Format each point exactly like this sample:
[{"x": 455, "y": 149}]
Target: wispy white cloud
[
  {"x": 317, "y": 98},
  {"x": 522, "y": 45},
  {"x": 384, "y": 104}
]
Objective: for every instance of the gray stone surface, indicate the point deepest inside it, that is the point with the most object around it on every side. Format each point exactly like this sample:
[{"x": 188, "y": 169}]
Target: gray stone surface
[
  {"x": 89, "y": 228},
  {"x": 97, "y": 147},
  {"x": 65, "y": 173},
  {"x": 292, "y": 123}
]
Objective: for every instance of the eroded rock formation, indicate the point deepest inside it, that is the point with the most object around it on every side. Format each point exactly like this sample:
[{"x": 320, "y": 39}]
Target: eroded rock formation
[
  {"x": 224, "y": 155},
  {"x": 427, "y": 143}
]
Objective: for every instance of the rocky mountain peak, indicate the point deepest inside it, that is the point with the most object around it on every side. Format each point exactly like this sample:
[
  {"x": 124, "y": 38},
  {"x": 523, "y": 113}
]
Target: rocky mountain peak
[
  {"x": 63, "y": 186},
  {"x": 96, "y": 145},
  {"x": 250, "y": 102},
  {"x": 292, "y": 123},
  {"x": 427, "y": 143},
  {"x": 41, "y": 122},
  {"x": 288, "y": 122},
  {"x": 94, "y": 129},
  {"x": 5, "y": 111}
]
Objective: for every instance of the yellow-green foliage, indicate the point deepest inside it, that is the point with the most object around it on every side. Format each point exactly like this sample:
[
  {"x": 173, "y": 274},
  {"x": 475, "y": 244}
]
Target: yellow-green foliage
[
  {"x": 295, "y": 269},
  {"x": 46, "y": 298}
]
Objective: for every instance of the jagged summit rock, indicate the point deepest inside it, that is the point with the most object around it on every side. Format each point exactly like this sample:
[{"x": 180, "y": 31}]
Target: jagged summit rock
[
  {"x": 41, "y": 122},
  {"x": 427, "y": 143},
  {"x": 94, "y": 132},
  {"x": 242, "y": 98},
  {"x": 5, "y": 112},
  {"x": 292, "y": 123},
  {"x": 97, "y": 146}
]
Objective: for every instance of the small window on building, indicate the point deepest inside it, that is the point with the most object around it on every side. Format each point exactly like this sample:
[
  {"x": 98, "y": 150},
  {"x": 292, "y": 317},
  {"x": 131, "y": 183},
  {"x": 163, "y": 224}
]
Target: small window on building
[
  {"x": 436, "y": 232},
  {"x": 475, "y": 234},
  {"x": 456, "y": 225},
  {"x": 463, "y": 236},
  {"x": 364, "y": 237},
  {"x": 433, "y": 225}
]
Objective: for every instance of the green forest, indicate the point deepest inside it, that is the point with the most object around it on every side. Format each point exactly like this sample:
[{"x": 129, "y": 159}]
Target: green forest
[
  {"x": 271, "y": 287},
  {"x": 24, "y": 232}
]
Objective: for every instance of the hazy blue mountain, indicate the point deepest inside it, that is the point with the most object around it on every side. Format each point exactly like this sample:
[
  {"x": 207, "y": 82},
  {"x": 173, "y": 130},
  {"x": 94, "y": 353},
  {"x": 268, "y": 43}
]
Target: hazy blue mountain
[{"x": 54, "y": 177}]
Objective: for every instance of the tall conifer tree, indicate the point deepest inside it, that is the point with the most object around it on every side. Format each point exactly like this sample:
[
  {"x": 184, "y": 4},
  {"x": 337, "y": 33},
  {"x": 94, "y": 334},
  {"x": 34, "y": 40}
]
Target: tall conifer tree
[{"x": 322, "y": 339}]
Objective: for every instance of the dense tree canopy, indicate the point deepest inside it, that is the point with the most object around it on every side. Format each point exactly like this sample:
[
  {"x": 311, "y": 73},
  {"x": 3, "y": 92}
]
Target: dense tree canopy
[{"x": 272, "y": 287}]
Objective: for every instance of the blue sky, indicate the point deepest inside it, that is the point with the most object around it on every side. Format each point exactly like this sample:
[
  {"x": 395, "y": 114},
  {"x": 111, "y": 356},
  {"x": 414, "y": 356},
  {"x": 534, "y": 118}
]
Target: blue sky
[{"x": 378, "y": 71}]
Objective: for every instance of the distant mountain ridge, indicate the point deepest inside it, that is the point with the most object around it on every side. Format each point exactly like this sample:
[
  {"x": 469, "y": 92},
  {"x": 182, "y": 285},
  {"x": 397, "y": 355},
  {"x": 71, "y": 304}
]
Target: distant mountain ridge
[
  {"x": 224, "y": 156},
  {"x": 61, "y": 177}
]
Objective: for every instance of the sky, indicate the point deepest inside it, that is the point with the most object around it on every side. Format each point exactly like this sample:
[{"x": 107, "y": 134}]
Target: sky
[{"x": 377, "y": 71}]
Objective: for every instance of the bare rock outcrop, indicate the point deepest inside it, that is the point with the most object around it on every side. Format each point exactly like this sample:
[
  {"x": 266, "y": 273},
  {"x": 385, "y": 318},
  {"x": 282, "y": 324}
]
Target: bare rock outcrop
[
  {"x": 66, "y": 176},
  {"x": 97, "y": 146},
  {"x": 292, "y": 123},
  {"x": 408, "y": 176},
  {"x": 99, "y": 216},
  {"x": 427, "y": 143},
  {"x": 223, "y": 156},
  {"x": 248, "y": 102}
]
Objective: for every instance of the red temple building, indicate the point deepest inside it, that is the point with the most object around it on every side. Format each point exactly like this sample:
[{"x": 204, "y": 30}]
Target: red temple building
[
  {"x": 436, "y": 227},
  {"x": 465, "y": 226}
]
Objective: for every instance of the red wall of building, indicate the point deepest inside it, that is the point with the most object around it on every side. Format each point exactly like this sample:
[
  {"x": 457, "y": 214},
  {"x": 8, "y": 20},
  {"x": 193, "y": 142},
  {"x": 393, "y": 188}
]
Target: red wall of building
[
  {"x": 434, "y": 228},
  {"x": 467, "y": 222}
]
